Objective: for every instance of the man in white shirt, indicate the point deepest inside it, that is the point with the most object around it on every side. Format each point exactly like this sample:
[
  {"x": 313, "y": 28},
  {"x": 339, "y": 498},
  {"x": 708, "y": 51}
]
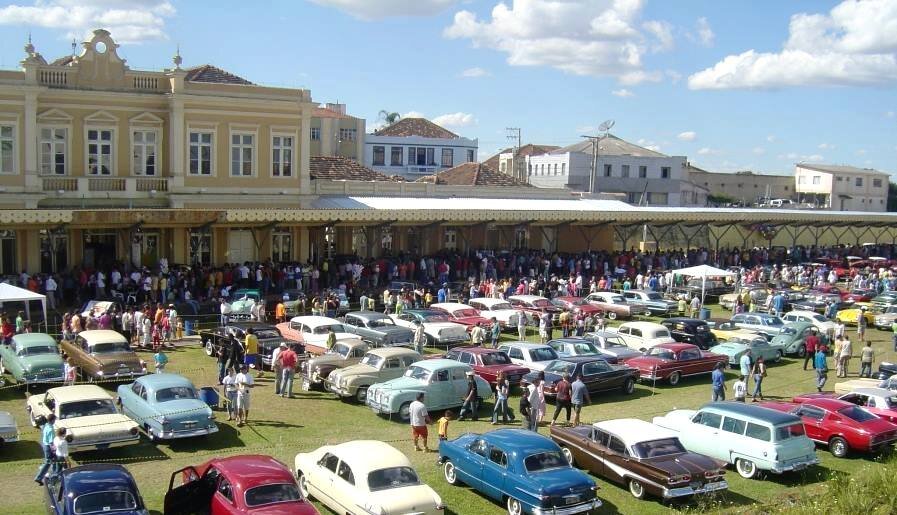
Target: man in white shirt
[
  {"x": 244, "y": 384},
  {"x": 419, "y": 420},
  {"x": 51, "y": 287}
]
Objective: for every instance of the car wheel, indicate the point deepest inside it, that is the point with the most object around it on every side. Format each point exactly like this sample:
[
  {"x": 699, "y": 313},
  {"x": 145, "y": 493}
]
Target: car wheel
[
  {"x": 361, "y": 394},
  {"x": 451, "y": 475},
  {"x": 32, "y": 420},
  {"x": 746, "y": 468},
  {"x": 629, "y": 387},
  {"x": 838, "y": 447},
  {"x": 611, "y": 315},
  {"x": 802, "y": 351},
  {"x": 568, "y": 455},
  {"x": 209, "y": 348},
  {"x": 303, "y": 484},
  {"x": 514, "y": 507},
  {"x": 674, "y": 378},
  {"x": 779, "y": 356},
  {"x": 153, "y": 438},
  {"x": 405, "y": 412},
  {"x": 636, "y": 489},
  {"x": 2, "y": 367}
]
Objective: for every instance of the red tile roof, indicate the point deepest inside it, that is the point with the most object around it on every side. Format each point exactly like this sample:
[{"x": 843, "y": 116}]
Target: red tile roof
[
  {"x": 472, "y": 174},
  {"x": 209, "y": 73},
  {"x": 344, "y": 169},
  {"x": 416, "y": 127}
]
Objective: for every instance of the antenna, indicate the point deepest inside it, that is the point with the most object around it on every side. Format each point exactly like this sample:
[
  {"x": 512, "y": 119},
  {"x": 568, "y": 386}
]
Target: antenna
[{"x": 606, "y": 126}]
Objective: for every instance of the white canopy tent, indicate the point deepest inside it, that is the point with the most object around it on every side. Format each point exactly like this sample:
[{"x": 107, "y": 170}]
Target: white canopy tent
[
  {"x": 703, "y": 271},
  {"x": 10, "y": 293}
]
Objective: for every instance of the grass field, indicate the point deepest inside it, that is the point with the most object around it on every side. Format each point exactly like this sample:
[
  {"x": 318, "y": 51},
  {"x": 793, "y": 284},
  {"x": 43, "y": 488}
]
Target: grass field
[{"x": 283, "y": 427}]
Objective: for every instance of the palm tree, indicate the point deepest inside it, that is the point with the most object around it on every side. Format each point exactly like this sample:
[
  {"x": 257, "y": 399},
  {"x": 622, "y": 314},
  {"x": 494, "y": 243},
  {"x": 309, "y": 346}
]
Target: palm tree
[{"x": 389, "y": 117}]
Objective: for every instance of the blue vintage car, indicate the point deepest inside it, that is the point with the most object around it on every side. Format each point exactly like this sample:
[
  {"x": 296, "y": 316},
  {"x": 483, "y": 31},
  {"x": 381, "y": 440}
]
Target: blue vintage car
[
  {"x": 166, "y": 406},
  {"x": 523, "y": 469},
  {"x": 32, "y": 358},
  {"x": 94, "y": 488}
]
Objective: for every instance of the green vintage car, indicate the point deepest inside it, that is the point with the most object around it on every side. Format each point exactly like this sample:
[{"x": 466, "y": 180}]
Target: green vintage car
[
  {"x": 793, "y": 337},
  {"x": 736, "y": 347},
  {"x": 32, "y": 358}
]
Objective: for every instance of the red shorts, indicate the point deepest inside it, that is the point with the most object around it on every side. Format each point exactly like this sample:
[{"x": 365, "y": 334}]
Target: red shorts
[{"x": 419, "y": 431}]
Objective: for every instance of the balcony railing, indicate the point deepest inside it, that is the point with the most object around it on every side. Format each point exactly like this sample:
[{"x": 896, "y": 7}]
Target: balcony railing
[
  {"x": 149, "y": 184},
  {"x": 60, "y": 184},
  {"x": 126, "y": 185},
  {"x": 106, "y": 184},
  {"x": 57, "y": 78}
]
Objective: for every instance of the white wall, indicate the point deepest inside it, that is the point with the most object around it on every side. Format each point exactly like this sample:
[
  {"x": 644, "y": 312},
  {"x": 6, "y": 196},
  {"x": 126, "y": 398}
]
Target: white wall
[{"x": 459, "y": 146}]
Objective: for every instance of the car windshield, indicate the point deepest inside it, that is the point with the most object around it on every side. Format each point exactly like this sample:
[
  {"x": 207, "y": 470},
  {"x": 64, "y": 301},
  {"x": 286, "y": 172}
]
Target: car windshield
[
  {"x": 77, "y": 409},
  {"x": 544, "y": 461},
  {"x": 789, "y": 330},
  {"x": 615, "y": 299},
  {"x": 393, "y": 477},
  {"x": 857, "y": 414},
  {"x": 34, "y": 350},
  {"x": 773, "y": 321},
  {"x": 324, "y": 329},
  {"x": 381, "y": 322},
  {"x": 789, "y": 431},
  {"x": 579, "y": 302},
  {"x": 266, "y": 334},
  {"x": 104, "y": 502},
  {"x": 582, "y": 348},
  {"x": 543, "y": 354},
  {"x": 656, "y": 448},
  {"x": 176, "y": 393},
  {"x": 560, "y": 367},
  {"x": 610, "y": 343},
  {"x": 435, "y": 318},
  {"x": 660, "y": 352},
  {"x": 372, "y": 360},
  {"x": 541, "y": 303},
  {"x": 270, "y": 494},
  {"x": 466, "y": 312},
  {"x": 499, "y": 305},
  {"x": 654, "y": 296},
  {"x": 109, "y": 347},
  {"x": 495, "y": 358},
  {"x": 419, "y": 373},
  {"x": 890, "y": 401},
  {"x": 339, "y": 348}
]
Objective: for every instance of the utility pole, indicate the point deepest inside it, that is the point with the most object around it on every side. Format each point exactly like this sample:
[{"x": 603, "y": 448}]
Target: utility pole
[
  {"x": 594, "y": 165},
  {"x": 514, "y": 133}
]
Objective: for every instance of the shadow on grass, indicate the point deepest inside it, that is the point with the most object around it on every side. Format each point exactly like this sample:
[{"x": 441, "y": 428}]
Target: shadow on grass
[
  {"x": 226, "y": 437},
  {"x": 710, "y": 503},
  {"x": 20, "y": 451},
  {"x": 142, "y": 452},
  {"x": 814, "y": 474}
]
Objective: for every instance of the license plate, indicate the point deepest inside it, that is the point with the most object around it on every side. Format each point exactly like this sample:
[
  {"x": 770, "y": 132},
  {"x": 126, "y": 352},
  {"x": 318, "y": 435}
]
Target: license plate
[
  {"x": 102, "y": 446},
  {"x": 571, "y": 499}
]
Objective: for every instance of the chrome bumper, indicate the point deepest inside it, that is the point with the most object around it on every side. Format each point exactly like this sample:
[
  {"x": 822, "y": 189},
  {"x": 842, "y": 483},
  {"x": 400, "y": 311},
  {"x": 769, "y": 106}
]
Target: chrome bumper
[
  {"x": 594, "y": 504},
  {"x": 793, "y": 467},
  {"x": 186, "y": 433},
  {"x": 332, "y": 387},
  {"x": 669, "y": 493},
  {"x": 96, "y": 446},
  {"x": 54, "y": 379}
]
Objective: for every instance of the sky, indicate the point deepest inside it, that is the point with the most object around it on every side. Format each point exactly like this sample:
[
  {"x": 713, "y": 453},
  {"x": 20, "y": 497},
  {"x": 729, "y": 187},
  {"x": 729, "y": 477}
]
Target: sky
[{"x": 735, "y": 85}]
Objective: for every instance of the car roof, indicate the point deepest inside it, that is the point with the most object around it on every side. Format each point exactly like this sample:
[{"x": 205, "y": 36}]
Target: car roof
[
  {"x": 799, "y": 325},
  {"x": 514, "y": 439},
  {"x": 684, "y": 320},
  {"x": 387, "y": 352},
  {"x": 571, "y": 341},
  {"x": 102, "y": 336},
  {"x": 804, "y": 312},
  {"x": 523, "y": 345},
  {"x": 315, "y": 320},
  {"x": 633, "y": 430},
  {"x": 255, "y": 325},
  {"x": 158, "y": 381},
  {"x": 758, "y": 314},
  {"x": 365, "y": 456},
  {"x": 439, "y": 363},
  {"x": 95, "y": 477},
  {"x": 368, "y": 315},
  {"x": 29, "y": 339},
  {"x": 676, "y": 347},
  {"x": 749, "y": 410},
  {"x": 476, "y": 350},
  {"x": 644, "y": 325},
  {"x": 423, "y": 312},
  {"x": 78, "y": 392},
  {"x": 527, "y": 298},
  {"x": 251, "y": 470},
  {"x": 488, "y": 301},
  {"x": 581, "y": 359}
]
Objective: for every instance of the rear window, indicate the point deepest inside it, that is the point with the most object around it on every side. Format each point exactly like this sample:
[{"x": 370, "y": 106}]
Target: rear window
[
  {"x": 393, "y": 477},
  {"x": 789, "y": 431},
  {"x": 655, "y": 448},
  {"x": 543, "y": 354},
  {"x": 544, "y": 461},
  {"x": 757, "y": 431},
  {"x": 270, "y": 494},
  {"x": 104, "y": 502},
  {"x": 495, "y": 358},
  {"x": 856, "y": 413}
]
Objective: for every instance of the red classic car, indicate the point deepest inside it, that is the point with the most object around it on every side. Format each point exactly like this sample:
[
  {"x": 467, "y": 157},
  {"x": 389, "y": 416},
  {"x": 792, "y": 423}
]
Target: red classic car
[
  {"x": 487, "y": 363},
  {"x": 878, "y": 401},
  {"x": 673, "y": 361},
  {"x": 840, "y": 425},
  {"x": 858, "y": 295},
  {"x": 462, "y": 314},
  {"x": 236, "y": 485},
  {"x": 576, "y": 305}
]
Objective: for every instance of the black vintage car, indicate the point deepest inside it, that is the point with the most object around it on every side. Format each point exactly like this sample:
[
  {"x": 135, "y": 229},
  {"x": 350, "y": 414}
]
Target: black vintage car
[
  {"x": 268, "y": 335},
  {"x": 597, "y": 374},
  {"x": 691, "y": 330}
]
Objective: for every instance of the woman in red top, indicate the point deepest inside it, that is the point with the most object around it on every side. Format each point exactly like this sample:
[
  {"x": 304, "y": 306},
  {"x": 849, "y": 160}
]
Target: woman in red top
[{"x": 7, "y": 331}]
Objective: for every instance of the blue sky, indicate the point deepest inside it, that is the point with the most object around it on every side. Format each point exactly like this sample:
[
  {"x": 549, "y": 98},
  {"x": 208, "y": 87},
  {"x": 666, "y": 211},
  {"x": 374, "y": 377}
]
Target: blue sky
[{"x": 732, "y": 85}]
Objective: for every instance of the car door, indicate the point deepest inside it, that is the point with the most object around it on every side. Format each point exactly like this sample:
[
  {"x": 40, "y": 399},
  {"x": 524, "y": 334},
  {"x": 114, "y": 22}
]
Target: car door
[
  {"x": 595, "y": 460},
  {"x": 224, "y": 499},
  {"x": 459, "y": 386},
  {"x": 54, "y": 495},
  {"x": 128, "y": 399},
  {"x": 495, "y": 473},
  {"x": 690, "y": 361},
  {"x": 441, "y": 393},
  {"x": 391, "y": 369},
  {"x": 193, "y": 492},
  {"x": 703, "y": 435},
  {"x": 812, "y": 418},
  {"x": 470, "y": 462},
  {"x": 616, "y": 459},
  {"x": 344, "y": 487},
  {"x": 593, "y": 377},
  {"x": 321, "y": 479}
]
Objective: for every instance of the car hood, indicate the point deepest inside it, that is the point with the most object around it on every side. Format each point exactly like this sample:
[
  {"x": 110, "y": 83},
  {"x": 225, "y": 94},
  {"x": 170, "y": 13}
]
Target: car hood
[
  {"x": 689, "y": 463},
  {"x": 114, "y": 358},
  {"x": 400, "y": 383},
  {"x": 622, "y": 353},
  {"x": 646, "y": 361},
  {"x": 478, "y": 320},
  {"x": 729, "y": 349},
  {"x": 100, "y": 423},
  {"x": 393, "y": 331},
  {"x": 507, "y": 369},
  {"x": 7, "y": 420},
  {"x": 356, "y": 370}
]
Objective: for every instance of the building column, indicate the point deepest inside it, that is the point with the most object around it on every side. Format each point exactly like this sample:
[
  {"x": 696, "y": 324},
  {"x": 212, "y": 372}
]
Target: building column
[
  {"x": 179, "y": 245},
  {"x": 328, "y": 141},
  {"x": 359, "y": 141},
  {"x": 32, "y": 179},
  {"x": 300, "y": 236},
  {"x": 176, "y": 144}
]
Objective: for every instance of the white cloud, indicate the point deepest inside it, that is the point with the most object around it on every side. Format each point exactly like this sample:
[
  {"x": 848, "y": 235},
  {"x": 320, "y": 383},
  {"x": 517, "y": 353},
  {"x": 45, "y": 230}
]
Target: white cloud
[
  {"x": 855, "y": 44},
  {"x": 826, "y": 146},
  {"x": 673, "y": 75},
  {"x": 414, "y": 114},
  {"x": 794, "y": 156},
  {"x": 129, "y": 21},
  {"x": 458, "y": 119},
  {"x": 604, "y": 38},
  {"x": 688, "y": 136},
  {"x": 379, "y": 9},
  {"x": 655, "y": 148},
  {"x": 705, "y": 33},
  {"x": 650, "y": 145},
  {"x": 622, "y": 93},
  {"x": 706, "y": 151},
  {"x": 771, "y": 138},
  {"x": 475, "y": 72},
  {"x": 759, "y": 150}
]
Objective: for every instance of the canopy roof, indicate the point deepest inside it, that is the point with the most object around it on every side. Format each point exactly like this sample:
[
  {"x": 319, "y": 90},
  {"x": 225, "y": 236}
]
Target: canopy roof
[
  {"x": 703, "y": 271},
  {"x": 10, "y": 293}
]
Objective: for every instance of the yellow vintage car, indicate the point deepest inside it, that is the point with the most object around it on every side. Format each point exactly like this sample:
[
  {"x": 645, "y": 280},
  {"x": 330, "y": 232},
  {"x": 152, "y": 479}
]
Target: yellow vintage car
[
  {"x": 849, "y": 316},
  {"x": 727, "y": 330}
]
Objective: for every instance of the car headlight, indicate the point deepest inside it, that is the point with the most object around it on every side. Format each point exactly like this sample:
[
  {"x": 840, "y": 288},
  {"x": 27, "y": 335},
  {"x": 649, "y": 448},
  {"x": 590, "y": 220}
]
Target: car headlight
[{"x": 100, "y": 372}]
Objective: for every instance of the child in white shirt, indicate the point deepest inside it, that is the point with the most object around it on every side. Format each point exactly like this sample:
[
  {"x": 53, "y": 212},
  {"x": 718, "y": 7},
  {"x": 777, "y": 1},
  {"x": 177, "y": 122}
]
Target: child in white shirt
[{"x": 740, "y": 388}]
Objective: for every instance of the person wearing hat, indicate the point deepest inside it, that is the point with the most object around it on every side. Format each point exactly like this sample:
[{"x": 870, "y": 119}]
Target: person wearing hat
[
  {"x": 470, "y": 400},
  {"x": 244, "y": 384}
]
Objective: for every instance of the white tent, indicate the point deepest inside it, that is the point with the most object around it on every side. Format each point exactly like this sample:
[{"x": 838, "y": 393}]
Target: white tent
[
  {"x": 10, "y": 293},
  {"x": 703, "y": 271}
]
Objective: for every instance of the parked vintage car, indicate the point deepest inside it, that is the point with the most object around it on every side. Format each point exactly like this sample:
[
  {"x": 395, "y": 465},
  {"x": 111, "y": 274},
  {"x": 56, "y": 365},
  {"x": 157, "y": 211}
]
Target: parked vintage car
[
  {"x": 268, "y": 335},
  {"x": 95, "y": 308},
  {"x": 727, "y": 330},
  {"x": 93, "y": 488},
  {"x": 534, "y": 356},
  {"x": 614, "y": 305},
  {"x": 88, "y": 414},
  {"x": 735, "y": 348},
  {"x": 842, "y": 426},
  {"x": 641, "y": 336},
  {"x": 793, "y": 337},
  {"x": 576, "y": 346},
  {"x": 597, "y": 374},
  {"x": 691, "y": 330},
  {"x": 535, "y": 306},
  {"x": 881, "y": 402},
  {"x": 377, "y": 329},
  {"x": 611, "y": 346},
  {"x": 819, "y": 302},
  {"x": 707, "y": 287},
  {"x": 576, "y": 305},
  {"x": 499, "y": 309},
  {"x": 850, "y": 315},
  {"x": 103, "y": 354},
  {"x": 811, "y": 317},
  {"x": 886, "y": 369},
  {"x": 365, "y": 477},
  {"x": 757, "y": 292},
  {"x": 864, "y": 382},
  {"x": 655, "y": 302},
  {"x": 760, "y": 322},
  {"x": 245, "y": 484},
  {"x": 859, "y": 295},
  {"x": 751, "y": 437},
  {"x": 443, "y": 382},
  {"x": 294, "y": 301},
  {"x": 440, "y": 331},
  {"x": 313, "y": 331},
  {"x": 883, "y": 319},
  {"x": 377, "y": 366},
  {"x": 885, "y": 299},
  {"x": 673, "y": 361},
  {"x": 166, "y": 406},
  {"x": 648, "y": 459},
  {"x": 341, "y": 355},
  {"x": 9, "y": 430},
  {"x": 487, "y": 363},
  {"x": 462, "y": 314},
  {"x": 523, "y": 469},
  {"x": 32, "y": 358},
  {"x": 243, "y": 300}
]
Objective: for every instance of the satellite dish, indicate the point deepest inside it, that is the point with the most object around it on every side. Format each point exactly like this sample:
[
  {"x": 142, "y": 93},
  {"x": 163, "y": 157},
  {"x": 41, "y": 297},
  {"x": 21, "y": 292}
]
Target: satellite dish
[{"x": 606, "y": 125}]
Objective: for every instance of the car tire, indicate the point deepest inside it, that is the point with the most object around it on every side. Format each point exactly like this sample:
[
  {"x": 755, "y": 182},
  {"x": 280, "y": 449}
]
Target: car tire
[
  {"x": 636, "y": 489},
  {"x": 303, "y": 484},
  {"x": 674, "y": 378},
  {"x": 361, "y": 394},
  {"x": 746, "y": 468},
  {"x": 153, "y": 438},
  {"x": 405, "y": 412},
  {"x": 838, "y": 447},
  {"x": 514, "y": 506},
  {"x": 629, "y": 386},
  {"x": 209, "y": 348},
  {"x": 2, "y": 367},
  {"x": 569, "y": 456},
  {"x": 779, "y": 356},
  {"x": 802, "y": 351},
  {"x": 450, "y": 473},
  {"x": 611, "y": 315}
]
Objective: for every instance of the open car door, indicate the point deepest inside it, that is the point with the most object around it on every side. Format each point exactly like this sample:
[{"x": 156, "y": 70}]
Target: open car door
[{"x": 192, "y": 496}]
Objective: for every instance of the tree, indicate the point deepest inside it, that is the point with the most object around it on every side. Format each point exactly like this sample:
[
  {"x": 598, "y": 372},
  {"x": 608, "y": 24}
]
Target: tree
[{"x": 389, "y": 117}]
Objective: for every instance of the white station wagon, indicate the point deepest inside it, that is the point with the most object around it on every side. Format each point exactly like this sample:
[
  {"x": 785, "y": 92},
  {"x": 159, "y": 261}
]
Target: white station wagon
[
  {"x": 534, "y": 356},
  {"x": 641, "y": 336}
]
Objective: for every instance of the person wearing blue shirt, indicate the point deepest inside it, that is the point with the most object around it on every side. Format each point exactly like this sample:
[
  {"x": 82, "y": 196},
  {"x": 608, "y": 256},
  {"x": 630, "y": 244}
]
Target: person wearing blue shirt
[
  {"x": 440, "y": 294},
  {"x": 778, "y": 303},
  {"x": 719, "y": 384},
  {"x": 48, "y": 432},
  {"x": 821, "y": 366},
  {"x": 745, "y": 363},
  {"x": 496, "y": 332}
]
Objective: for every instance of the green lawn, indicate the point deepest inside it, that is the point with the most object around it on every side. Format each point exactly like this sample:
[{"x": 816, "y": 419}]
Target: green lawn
[{"x": 283, "y": 427}]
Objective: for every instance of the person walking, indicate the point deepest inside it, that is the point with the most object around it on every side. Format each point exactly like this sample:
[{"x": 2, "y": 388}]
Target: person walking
[
  {"x": 442, "y": 425},
  {"x": 821, "y": 367},
  {"x": 540, "y": 404},
  {"x": 544, "y": 327},
  {"x": 223, "y": 357},
  {"x": 495, "y": 332},
  {"x": 276, "y": 367},
  {"x": 758, "y": 372},
  {"x": 867, "y": 356},
  {"x": 288, "y": 360},
  {"x": 331, "y": 338},
  {"x": 563, "y": 398},
  {"x": 501, "y": 399},
  {"x": 477, "y": 336},
  {"x": 469, "y": 404},
  {"x": 521, "y": 326},
  {"x": 861, "y": 325},
  {"x": 48, "y": 432},
  {"x": 419, "y": 420},
  {"x": 420, "y": 337},
  {"x": 811, "y": 342},
  {"x": 579, "y": 395},
  {"x": 160, "y": 360},
  {"x": 745, "y": 363},
  {"x": 836, "y": 354},
  {"x": 60, "y": 451},
  {"x": 739, "y": 388},
  {"x": 532, "y": 400},
  {"x": 718, "y": 382},
  {"x": 525, "y": 410},
  {"x": 844, "y": 357},
  {"x": 229, "y": 384},
  {"x": 244, "y": 383}
]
